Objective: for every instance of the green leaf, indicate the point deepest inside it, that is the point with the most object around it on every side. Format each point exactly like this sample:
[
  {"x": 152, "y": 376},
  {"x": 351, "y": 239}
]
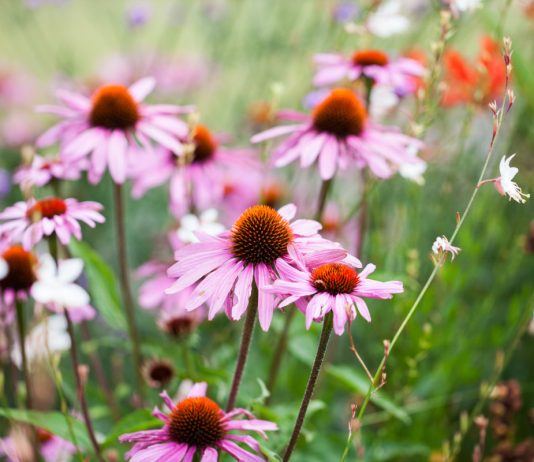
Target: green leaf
[
  {"x": 54, "y": 422},
  {"x": 139, "y": 420},
  {"x": 102, "y": 284},
  {"x": 357, "y": 382},
  {"x": 271, "y": 456}
]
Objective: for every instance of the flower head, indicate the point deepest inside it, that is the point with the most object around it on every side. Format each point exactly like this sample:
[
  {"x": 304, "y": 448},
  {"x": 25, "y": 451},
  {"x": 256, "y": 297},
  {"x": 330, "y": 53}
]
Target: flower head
[
  {"x": 505, "y": 183},
  {"x": 197, "y": 425},
  {"x": 261, "y": 244},
  {"x": 197, "y": 178},
  {"x": 20, "y": 274},
  {"x": 441, "y": 246},
  {"x": 113, "y": 125},
  {"x": 372, "y": 64},
  {"x": 30, "y": 221},
  {"x": 336, "y": 287},
  {"x": 339, "y": 133},
  {"x": 479, "y": 83},
  {"x": 42, "y": 170}
]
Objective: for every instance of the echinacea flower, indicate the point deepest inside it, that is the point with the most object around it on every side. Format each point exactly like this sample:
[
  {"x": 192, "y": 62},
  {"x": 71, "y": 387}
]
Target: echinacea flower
[
  {"x": 56, "y": 289},
  {"x": 505, "y": 183},
  {"x": 442, "y": 246},
  {"x": 20, "y": 275},
  {"x": 196, "y": 425},
  {"x": 112, "y": 125},
  {"x": 42, "y": 170},
  {"x": 158, "y": 373},
  {"x": 261, "y": 243},
  {"x": 339, "y": 134},
  {"x": 375, "y": 65},
  {"x": 30, "y": 221},
  {"x": 197, "y": 179},
  {"x": 335, "y": 287}
]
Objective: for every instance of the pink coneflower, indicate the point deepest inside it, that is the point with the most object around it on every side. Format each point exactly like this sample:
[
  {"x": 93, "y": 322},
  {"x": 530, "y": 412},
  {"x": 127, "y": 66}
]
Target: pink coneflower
[
  {"x": 196, "y": 425},
  {"x": 375, "y": 65},
  {"x": 335, "y": 287},
  {"x": 113, "y": 125},
  {"x": 42, "y": 170},
  {"x": 53, "y": 448},
  {"x": 261, "y": 243},
  {"x": 338, "y": 134},
  {"x": 30, "y": 221},
  {"x": 20, "y": 275},
  {"x": 197, "y": 181}
]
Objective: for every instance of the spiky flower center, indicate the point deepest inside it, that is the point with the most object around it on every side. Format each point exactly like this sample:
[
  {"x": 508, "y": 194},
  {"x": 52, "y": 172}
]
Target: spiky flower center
[
  {"x": 341, "y": 114},
  {"x": 335, "y": 278},
  {"x": 370, "y": 58},
  {"x": 205, "y": 144},
  {"x": 46, "y": 208},
  {"x": 20, "y": 263},
  {"x": 260, "y": 235},
  {"x": 197, "y": 422},
  {"x": 113, "y": 107}
]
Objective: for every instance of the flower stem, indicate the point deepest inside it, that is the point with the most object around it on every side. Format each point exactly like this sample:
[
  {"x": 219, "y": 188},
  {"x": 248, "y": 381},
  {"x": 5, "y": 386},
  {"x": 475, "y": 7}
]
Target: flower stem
[
  {"x": 80, "y": 388},
  {"x": 21, "y": 326},
  {"x": 126, "y": 290},
  {"x": 314, "y": 374},
  {"x": 246, "y": 338},
  {"x": 279, "y": 351},
  {"x": 323, "y": 195}
]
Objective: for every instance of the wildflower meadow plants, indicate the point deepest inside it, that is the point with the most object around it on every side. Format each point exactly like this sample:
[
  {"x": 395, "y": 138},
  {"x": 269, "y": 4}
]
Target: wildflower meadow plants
[{"x": 304, "y": 227}]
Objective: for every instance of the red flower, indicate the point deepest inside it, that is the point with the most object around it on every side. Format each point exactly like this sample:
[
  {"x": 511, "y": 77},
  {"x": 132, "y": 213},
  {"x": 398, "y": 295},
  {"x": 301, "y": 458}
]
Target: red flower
[{"x": 478, "y": 83}]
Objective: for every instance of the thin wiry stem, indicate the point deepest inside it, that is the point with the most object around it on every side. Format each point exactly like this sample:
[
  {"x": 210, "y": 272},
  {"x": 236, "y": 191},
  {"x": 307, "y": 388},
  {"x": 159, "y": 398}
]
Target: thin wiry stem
[
  {"x": 497, "y": 123},
  {"x": 248, "y": 330},
  {"x": 80, "y": 388},
  {"x": 126, "y": 290}
]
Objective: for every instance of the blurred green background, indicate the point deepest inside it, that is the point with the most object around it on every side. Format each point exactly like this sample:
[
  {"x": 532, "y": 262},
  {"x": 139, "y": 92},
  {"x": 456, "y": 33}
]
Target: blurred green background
[{"x": 258, "y": 50}]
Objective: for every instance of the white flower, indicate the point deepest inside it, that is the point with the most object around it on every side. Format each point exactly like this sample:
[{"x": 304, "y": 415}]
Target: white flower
[
  {"x": 383, "y": 100},
  {"x": 4, "y": 269},
  {"x": 413, "y": 171},
  {"x": 442, "y": 245},
  {"x": 47, "y": 337},
  {"x": 207, "y": 223},
  {"x": 55, "y": 284},
  {"x": 465, "y": 5},
  {"x": 504, "y": 183},
  {"x": 387, "y": 20}
]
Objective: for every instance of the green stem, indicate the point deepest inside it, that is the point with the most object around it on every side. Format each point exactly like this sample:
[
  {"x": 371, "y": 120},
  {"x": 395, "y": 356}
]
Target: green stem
[
  {"x": 22, "y": 337},
  {"x": 80, "y": 388},
  {"x": 248, "y": 329},
  {"x": 126, "y": 290},
  {"x": 326, "y": 185},
  {"x": 314, "y": 374}
]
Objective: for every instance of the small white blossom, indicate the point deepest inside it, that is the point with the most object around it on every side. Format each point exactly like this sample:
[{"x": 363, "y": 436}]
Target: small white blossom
[
  {"x": 505, "y": 183},
  {"x": 206, "y": 223},
  {"x": 48, "y": 337},
  {"x": 442, "y": 245},
  {"x": 55, "y": 285},
  {"x": 460, "y": 6},
  {"x": 387, "y": 20}
]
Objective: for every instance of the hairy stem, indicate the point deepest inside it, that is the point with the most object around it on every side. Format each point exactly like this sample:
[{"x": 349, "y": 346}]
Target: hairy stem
[
  {"x": 80, "y": 388},
  {"x": 314, "y": 374},
  {"x": 126, "y": 290},
  {"x": 248, "y": 329}
]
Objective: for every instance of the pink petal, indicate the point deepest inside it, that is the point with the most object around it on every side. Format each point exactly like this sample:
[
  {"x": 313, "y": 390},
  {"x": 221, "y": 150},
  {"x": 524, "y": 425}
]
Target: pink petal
[
  {"x": 117, "y": 156},
  {"x": 142, "y": 88}
]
